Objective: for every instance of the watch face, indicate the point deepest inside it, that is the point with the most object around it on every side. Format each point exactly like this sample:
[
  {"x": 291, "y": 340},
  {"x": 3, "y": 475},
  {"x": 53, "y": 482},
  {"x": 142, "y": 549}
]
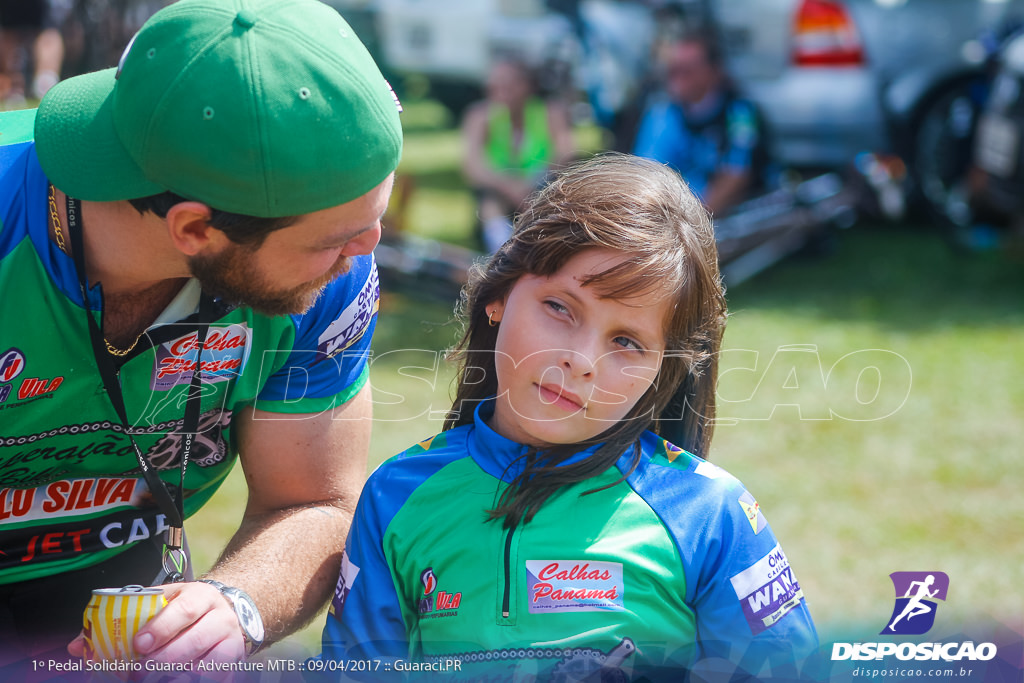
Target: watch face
[{"x": 249, "y": 618}]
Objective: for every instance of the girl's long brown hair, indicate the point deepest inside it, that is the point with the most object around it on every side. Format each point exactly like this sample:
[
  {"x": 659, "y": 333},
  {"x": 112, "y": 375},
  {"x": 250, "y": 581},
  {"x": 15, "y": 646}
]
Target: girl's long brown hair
[{"x": 637, "y": 207}]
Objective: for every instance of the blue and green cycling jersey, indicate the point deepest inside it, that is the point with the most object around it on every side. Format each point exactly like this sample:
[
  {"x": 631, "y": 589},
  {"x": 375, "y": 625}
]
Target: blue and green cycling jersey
[
  {"x": 71, "y": 492},
  {"x": 727, "y": 137},
  {"x": 646, "y": 575}
]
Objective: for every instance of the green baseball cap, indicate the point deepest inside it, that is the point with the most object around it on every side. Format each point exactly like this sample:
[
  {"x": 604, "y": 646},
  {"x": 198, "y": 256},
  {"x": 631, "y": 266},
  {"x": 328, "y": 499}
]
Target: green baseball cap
[{"x": 261, "y": 107}]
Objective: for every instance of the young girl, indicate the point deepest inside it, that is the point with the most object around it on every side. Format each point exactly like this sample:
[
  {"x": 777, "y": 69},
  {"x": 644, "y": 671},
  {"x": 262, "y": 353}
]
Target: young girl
[{"x": 548, "y": 532}]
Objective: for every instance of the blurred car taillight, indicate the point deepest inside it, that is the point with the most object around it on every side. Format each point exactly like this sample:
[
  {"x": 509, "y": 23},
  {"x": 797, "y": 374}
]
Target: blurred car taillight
[{"x": 824, "y": 35}]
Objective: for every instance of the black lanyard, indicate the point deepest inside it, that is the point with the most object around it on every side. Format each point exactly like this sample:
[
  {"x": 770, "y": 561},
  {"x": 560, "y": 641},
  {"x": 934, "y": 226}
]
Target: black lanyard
[{"x": 175, "y": 559}]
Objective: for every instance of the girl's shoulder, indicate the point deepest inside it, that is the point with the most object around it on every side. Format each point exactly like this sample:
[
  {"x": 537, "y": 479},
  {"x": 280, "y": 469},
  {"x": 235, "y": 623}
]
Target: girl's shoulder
[
  {"x": 672, "y": 473},
  {"x": 661, "y": 457},
  {"x": 681, "y": 487},
  {"x": 424, "y": 458}
]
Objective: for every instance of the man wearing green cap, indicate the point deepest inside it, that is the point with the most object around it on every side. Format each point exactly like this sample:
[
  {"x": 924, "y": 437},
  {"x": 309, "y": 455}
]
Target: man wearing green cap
[{"x": 186, "y": 269}]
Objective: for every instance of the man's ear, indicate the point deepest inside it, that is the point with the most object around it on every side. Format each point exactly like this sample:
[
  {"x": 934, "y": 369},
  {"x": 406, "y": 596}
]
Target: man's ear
[{"x": 189, "y": 228}]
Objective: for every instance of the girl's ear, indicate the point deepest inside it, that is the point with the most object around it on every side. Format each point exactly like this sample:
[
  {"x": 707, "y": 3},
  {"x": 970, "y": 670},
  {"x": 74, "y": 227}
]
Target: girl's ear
[{"x": 494, "y": 312}]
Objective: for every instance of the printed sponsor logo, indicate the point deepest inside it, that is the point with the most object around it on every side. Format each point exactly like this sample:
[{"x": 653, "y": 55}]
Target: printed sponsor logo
[
  {"x": 33, "y": 386},
  {"x": 916, "y": 593},
  {"x": 117, "y": 534},
  {"x": 12, "y": 362},
  {"x": 574, "y": 586},
  {"x": 354, "y": 320},
  {"x": 346, "y": 579},
  {"x": 429, "y": 582},
  {"x": 767, "y": 590},
  {"x": 69, "y": 498},
  {"x": 441, "y": 604},
  {"x": 753, "y": 512},
  {"x": 914, "y": 614},
  {"x": 30, "y": 545},
  {"x": 224, "y": 355}
]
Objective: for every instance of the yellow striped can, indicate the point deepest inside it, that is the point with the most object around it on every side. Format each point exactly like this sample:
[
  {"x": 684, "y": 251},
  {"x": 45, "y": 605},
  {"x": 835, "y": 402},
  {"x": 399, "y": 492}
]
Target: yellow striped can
[{"x": 113, "y": 617}]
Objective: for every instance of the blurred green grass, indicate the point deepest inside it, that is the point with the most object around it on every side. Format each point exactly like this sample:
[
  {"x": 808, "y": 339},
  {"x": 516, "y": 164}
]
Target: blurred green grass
[{"x": 912, "y": 466}]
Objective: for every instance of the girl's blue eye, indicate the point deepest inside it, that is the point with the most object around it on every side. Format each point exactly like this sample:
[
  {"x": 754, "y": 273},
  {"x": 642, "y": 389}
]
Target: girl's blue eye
[
  {"x": 628, "y": 343},
  {"x": 555, "y": 306}
]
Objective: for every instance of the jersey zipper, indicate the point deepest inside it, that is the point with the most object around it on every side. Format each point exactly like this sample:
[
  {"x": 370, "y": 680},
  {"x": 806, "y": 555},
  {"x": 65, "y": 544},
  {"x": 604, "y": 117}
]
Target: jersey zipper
[{"x": 506, "y": 598}]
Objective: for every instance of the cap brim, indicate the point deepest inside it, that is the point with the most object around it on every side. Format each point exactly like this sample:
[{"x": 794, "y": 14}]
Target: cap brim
[{"x": 78, "y": 146}]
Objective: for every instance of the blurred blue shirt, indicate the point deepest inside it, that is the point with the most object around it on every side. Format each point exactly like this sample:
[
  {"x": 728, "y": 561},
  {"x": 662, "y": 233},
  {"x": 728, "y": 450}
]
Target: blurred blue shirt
[{"x": 723, "y": 136}]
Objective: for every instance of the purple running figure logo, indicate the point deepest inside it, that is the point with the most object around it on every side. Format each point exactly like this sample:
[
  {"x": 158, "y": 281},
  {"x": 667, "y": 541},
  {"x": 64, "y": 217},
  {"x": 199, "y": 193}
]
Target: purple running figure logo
[{"x": 916, "y": 595}]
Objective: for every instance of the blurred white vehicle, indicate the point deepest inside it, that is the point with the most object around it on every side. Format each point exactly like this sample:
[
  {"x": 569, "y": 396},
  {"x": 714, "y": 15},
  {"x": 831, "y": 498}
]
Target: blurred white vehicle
[{"x": 838, "y": 77}]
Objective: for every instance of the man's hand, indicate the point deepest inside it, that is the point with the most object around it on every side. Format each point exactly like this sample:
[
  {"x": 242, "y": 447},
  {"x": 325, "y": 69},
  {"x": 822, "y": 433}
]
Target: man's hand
[
  {"x": 287, "y": 552},
  {"x": 198, "y": 623}
]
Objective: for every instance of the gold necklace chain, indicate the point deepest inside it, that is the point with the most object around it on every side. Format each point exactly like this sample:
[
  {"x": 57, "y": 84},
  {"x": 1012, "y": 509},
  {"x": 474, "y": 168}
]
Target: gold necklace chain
[
  {"x": 55, "y": 222},
  {"x": 118, "y": 352}
]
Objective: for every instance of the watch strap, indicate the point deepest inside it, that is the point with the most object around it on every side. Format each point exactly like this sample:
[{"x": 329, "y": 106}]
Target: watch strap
[{"x": 232, "y": 594}]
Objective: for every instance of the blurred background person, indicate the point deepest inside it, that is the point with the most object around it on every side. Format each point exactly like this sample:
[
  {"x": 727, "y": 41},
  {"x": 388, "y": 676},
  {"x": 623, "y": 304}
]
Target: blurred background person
[
  {"x": 30, "y": 42},
  {"x": 511, "y": 139},
  {"x": 698, "y": 124}
]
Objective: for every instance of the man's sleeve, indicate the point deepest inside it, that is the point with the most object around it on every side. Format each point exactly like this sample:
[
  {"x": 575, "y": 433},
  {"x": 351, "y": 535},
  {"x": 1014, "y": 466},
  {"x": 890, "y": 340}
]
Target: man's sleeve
[
  {"x": 328, "y": 362},
  {"x": 365, "y": 620}
]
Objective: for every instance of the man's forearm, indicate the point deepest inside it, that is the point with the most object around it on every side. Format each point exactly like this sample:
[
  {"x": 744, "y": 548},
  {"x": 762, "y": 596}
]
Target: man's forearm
[
  {"x": 725, "y": 191},
  {"x": 288, "y": 562}
]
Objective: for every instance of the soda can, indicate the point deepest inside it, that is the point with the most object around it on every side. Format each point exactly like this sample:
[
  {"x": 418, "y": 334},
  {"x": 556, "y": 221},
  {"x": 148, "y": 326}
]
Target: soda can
[{"x": 113, "y": 617}]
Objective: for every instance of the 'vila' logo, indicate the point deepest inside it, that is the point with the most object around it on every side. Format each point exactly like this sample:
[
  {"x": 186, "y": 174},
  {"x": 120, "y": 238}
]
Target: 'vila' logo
[
  {"x": 442, "y": 603},
  {"x": 429, "y": 584},
  {"x": 916, "y": 593}
]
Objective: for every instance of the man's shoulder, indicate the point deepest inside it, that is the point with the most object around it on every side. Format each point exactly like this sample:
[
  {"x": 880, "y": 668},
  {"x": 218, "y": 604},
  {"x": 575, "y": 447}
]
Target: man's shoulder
[
  {"x": 22, "y": 186},
  {"x": 343, "y": 312}
]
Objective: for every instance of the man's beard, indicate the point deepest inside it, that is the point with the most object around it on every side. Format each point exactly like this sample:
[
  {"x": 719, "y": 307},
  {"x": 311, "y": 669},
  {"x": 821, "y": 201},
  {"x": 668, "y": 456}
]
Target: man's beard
[{"x": 229, "y": 276}]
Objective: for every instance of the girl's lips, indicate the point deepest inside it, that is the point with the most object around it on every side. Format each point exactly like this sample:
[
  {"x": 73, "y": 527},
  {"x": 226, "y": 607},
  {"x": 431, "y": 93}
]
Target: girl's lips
[{"x": 554, "y": 395}]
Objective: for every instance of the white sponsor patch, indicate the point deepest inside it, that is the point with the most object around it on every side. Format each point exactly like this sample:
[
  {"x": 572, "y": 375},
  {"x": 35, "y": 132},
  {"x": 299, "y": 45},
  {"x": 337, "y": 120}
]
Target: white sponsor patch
[
  {"x": 224, "y": 354},
  {"x": 574, "y": 586},
  {"x": 346, "y": 578},
  {"x": 354, "y": 320},
  {"x": 767, "y": 590}
]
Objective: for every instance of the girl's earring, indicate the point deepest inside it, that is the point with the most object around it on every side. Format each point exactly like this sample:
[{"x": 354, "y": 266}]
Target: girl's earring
[{"x": 490, "y": 319}]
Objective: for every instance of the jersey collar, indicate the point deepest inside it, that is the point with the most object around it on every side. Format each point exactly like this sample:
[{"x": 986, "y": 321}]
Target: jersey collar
[{"x": 498, "y": 456}]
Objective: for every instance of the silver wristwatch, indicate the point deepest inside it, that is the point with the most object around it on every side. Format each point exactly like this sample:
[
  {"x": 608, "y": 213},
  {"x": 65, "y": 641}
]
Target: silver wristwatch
[{"x": 248, "y": 616}]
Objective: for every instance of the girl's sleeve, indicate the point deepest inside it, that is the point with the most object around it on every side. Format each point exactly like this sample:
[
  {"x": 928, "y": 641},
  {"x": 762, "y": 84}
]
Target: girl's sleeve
[
  {"x": 749, "y": 608},
  {"x": 365, "y": 620},
  {"x": 749, "y": 605}
]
